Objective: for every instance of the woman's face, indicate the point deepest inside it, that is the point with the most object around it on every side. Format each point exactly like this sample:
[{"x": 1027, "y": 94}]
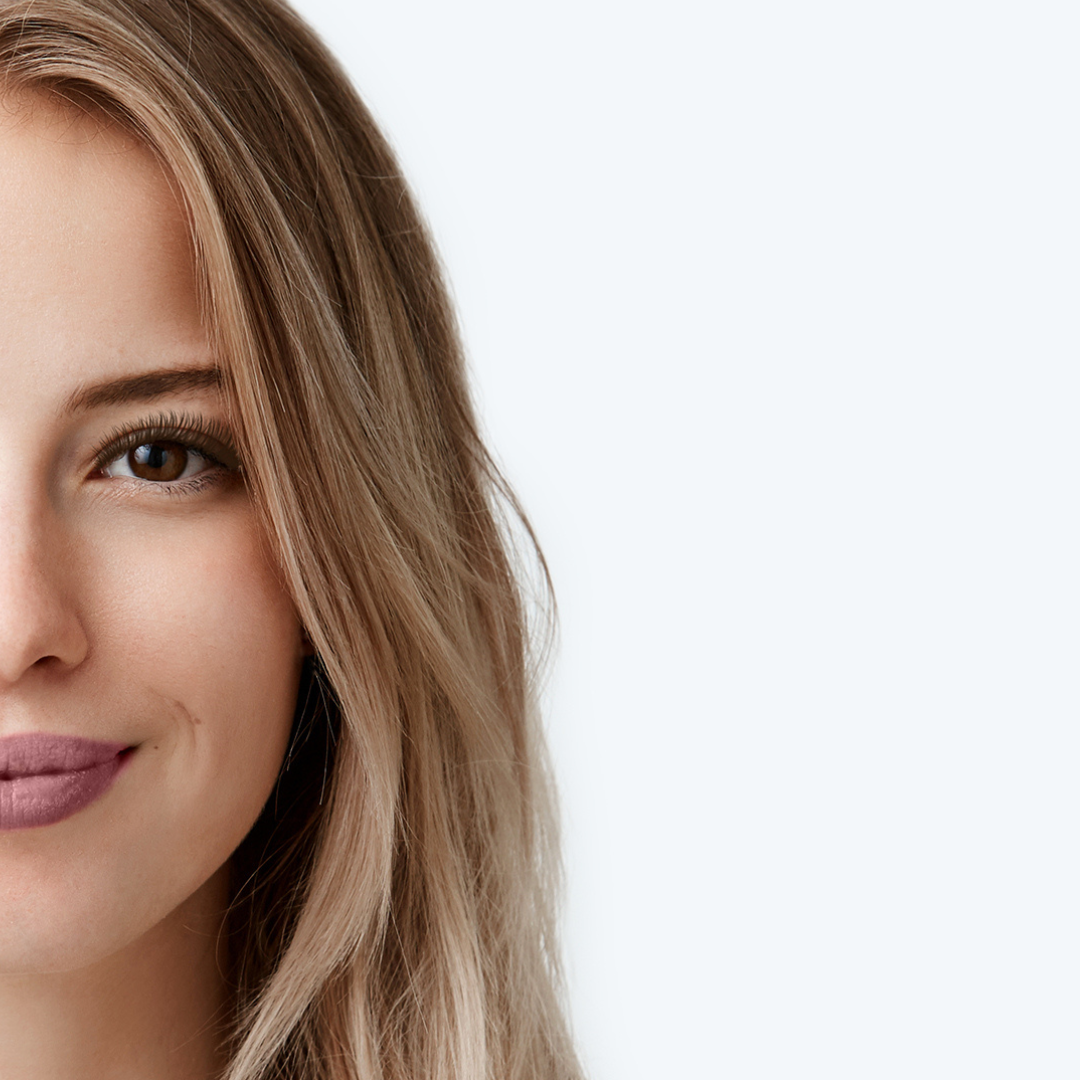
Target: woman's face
[{"x": 138, "y": 608}]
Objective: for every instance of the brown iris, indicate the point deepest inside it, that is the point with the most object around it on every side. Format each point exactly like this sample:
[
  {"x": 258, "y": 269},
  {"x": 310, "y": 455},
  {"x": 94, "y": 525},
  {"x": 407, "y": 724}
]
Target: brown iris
[{"x": 158, "y": 460}]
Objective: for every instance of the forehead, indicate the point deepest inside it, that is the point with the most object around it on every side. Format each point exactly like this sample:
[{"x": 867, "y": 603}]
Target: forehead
[
  {"x": 77, "y": 167},
  {"x": 96, "y": 268}
]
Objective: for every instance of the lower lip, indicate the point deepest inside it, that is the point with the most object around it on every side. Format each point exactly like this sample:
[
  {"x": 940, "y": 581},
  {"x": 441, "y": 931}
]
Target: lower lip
[{"x": 45, "y": 798}]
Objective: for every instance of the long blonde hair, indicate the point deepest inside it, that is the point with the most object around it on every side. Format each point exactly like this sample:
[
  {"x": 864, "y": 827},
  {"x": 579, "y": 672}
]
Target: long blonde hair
[{"x": 392, "y": 916}]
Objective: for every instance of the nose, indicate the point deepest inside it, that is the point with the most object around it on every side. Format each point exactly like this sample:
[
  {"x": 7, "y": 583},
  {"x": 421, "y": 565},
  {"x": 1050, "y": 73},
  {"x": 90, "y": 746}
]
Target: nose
[{"x": 39, "y": 625}]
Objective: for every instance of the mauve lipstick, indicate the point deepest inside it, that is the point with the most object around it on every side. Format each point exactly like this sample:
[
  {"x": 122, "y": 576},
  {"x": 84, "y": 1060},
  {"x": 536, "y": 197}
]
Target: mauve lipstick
[{"x": 46, "y": 778}]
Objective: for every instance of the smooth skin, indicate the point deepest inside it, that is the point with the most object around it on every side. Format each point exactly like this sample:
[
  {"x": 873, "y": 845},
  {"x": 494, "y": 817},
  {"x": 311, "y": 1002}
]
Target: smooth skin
[{"x": 137, "y": 603}]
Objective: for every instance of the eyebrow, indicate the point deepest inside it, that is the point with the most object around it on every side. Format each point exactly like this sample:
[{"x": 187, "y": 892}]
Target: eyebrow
[{"x": 145, "y": 387}]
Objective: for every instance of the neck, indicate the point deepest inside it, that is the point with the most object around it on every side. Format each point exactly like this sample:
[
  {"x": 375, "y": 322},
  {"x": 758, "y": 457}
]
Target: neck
[{"x": 152, "y": 1011}]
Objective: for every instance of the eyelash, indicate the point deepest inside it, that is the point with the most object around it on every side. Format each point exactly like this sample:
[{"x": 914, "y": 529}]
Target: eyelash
[{"x": 210, "y": 439}]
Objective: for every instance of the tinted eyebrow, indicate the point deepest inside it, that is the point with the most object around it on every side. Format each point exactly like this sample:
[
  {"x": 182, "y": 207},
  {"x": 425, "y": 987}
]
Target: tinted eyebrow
[{"x": 145, "y": 387}]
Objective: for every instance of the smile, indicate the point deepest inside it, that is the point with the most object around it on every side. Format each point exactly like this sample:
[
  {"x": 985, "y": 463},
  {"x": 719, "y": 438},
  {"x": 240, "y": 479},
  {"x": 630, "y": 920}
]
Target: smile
[{"x": 46, "y": 778}]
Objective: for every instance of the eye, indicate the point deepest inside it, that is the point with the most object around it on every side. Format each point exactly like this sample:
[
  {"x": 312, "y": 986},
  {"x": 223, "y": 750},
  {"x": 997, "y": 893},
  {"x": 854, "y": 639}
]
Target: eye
[
  {"x": 174, "y": 453},
  {"x": 162, "y": 461}
]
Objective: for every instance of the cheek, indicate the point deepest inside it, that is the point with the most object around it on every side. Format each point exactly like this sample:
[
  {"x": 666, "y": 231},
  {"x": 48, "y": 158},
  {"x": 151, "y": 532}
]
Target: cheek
[
  {"x": 199, "y": 610},
  {"x": 194, "y": 658},
  {"x": 197, "y": 647},
  {"x": 196, "y": 621}
]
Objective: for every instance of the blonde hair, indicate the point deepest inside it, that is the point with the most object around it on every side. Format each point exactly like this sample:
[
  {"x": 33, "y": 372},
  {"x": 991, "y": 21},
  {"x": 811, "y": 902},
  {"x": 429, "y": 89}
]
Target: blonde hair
[{"x": 392, "y": 917}]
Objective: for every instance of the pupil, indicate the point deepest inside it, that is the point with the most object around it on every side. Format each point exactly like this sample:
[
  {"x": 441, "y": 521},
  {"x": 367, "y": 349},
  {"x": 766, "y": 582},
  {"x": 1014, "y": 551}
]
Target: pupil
[{"x": 155, "y": 456}]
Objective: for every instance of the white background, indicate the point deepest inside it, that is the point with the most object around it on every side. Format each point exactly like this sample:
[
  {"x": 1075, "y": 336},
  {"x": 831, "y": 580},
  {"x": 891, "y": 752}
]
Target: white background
[{"x": 773, "y": 313}]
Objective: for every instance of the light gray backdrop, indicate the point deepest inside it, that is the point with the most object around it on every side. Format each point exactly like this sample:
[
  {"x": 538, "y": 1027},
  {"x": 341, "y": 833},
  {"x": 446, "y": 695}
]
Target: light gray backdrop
[{"x": 773, "y": 312}]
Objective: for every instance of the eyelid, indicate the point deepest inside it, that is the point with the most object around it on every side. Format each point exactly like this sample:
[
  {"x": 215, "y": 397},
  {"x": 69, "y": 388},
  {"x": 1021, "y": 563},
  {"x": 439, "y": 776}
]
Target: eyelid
[{"x": 211, "y": 438}]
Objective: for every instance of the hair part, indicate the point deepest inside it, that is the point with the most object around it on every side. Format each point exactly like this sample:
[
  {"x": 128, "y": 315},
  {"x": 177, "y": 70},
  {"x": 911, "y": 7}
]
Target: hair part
[{"x": 393, "y": 915}]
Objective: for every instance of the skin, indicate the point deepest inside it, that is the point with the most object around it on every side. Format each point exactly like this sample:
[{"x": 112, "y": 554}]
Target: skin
[{"x": 131, "y": 609}]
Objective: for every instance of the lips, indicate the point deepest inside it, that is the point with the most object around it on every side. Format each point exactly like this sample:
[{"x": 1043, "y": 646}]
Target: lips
[{"x": 46, "y": 778}]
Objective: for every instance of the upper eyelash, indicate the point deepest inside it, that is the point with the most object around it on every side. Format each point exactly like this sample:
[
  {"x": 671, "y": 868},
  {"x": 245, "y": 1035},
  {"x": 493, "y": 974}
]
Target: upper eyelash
[{"x": 211, "y": 438}]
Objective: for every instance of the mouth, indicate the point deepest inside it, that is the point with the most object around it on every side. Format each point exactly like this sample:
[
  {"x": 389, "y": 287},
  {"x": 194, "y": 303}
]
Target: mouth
[{"x": 47, "y": 778}]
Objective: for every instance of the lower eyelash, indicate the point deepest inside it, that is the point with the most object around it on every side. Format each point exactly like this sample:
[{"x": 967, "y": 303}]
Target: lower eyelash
[
  {"x": 131, "y": 486},
  {"x": 189, "y": 487}
]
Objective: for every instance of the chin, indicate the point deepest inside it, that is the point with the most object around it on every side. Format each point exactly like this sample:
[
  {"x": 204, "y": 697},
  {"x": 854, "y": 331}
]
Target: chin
[
  {"x": 47, "y": 927},
  {"x": 68, "y": 903}
]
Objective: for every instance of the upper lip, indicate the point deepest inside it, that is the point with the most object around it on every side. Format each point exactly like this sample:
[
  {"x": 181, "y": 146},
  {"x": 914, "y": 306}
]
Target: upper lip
[{"x": 34, "y": 754}]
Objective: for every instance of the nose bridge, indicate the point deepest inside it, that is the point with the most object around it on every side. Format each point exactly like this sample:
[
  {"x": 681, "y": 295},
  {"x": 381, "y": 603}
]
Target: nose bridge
[{"x": 38, "y": 621}]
